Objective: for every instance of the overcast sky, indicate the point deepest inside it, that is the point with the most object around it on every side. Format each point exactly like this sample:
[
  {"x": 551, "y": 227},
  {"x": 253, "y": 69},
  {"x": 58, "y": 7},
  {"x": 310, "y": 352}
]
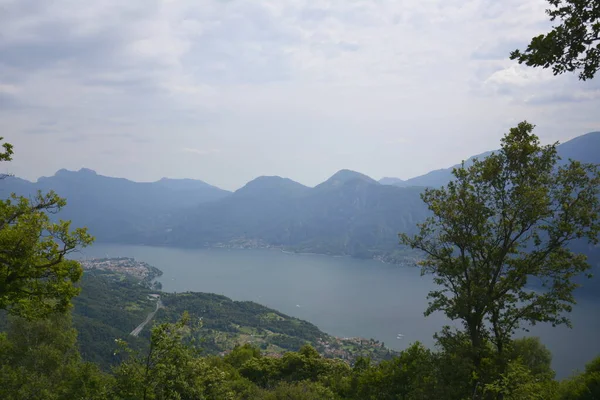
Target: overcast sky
[{"x": 227, "y": 90}]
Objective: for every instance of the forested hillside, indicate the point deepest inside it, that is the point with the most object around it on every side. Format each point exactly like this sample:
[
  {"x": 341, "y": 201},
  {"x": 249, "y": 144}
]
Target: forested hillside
[{"x": 112, "y": 304}]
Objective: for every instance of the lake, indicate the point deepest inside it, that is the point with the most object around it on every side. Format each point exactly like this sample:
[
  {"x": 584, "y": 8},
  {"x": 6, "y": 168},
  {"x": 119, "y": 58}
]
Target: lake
[{"x": 342, "y": 296}]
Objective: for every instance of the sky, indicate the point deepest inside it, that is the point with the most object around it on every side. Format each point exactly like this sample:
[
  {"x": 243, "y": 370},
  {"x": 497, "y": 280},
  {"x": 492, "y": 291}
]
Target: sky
[{"x": 228, "y": 90}]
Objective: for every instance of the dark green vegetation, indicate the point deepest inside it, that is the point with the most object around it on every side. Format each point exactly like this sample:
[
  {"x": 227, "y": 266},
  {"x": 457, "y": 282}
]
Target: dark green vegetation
[
  {"x": 504, "y": 221},
  {"x": 39, "y": 359},
  {"x": 572, "y": 45},
  {"x": 111, "y": 305},
  {"x": 35, "y": 277}
]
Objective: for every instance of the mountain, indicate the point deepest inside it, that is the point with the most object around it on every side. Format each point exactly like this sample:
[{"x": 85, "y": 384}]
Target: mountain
[
  {"x": 271, "y": 186},
  {"x": 115, "y": 208},
  {"x": 186, "y": 185},
  {"x": 391, "y": 181},
  {"x": 584, "y": 148},
  {"x": 436, "y": 178},
  {"x": 348, "y": 214},
  {"x": 342, "y": 177}
]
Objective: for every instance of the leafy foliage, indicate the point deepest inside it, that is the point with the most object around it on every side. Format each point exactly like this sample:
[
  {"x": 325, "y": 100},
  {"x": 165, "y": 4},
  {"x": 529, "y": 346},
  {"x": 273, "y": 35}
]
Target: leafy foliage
[
  {"x": 39, "y": 359},
  {"x": 506, "y": 221},
  {"x": 170, "y": 369},
  {"x": 573, "y": 45},
  {"x": 109, "y": 307},
  {"x": 585, "y": 386},
  {"x": 36, "y": 279},
  {"x": 5, "y": 154}
]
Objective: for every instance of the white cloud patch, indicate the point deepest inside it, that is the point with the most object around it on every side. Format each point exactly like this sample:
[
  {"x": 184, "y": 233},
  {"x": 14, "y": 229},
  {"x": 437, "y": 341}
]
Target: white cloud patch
[
  {"x": 200, "y": 152},
  {"x": 297, "y": 88}
]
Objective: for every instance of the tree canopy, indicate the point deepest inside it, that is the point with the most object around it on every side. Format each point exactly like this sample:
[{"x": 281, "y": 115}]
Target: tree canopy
[
  {"x": 574, "y": 45},
  {"x": 36, "y": 278},
  {"x": 497, "y": 241}
]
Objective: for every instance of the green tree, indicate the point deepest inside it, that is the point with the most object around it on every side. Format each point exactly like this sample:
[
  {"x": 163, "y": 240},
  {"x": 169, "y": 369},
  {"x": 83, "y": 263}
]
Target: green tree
[
  {"x": 5, "y": 154},
  {"x": 501, "y": 226},
  {"x": 304, "y": 365},
  {"x": 305, "y": 390},
  {"x": 410, "y": 376},
  {"x": 574, "y": 45},
  {"x": 171, "y": 369},
  {"x": 240, "y": 354},
  {"x": 530, "y": 352},
  {"x": 585, "y": 386},
  {"x": 517, "y": 382},
  {"x": 39, "y": 359},
  {"x": 36, "y": 279}
]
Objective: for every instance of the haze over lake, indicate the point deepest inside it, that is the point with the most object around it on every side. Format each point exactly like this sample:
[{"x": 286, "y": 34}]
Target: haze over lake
[{"x": 343, "y": 296}]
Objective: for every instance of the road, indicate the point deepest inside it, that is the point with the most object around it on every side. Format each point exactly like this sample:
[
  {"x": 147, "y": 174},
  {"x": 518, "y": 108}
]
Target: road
[{"x": 141, "y": 326}]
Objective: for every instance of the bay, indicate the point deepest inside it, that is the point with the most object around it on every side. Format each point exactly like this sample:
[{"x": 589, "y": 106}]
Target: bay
[{"x": 343, "y": 296}]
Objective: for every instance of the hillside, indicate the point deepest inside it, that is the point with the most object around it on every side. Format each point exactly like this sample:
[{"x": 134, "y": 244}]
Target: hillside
[{"x": 112, "y": 304}]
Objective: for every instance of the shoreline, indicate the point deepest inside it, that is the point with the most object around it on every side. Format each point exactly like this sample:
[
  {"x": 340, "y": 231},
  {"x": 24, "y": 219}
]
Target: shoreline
[{"x": 379, "y": 257}]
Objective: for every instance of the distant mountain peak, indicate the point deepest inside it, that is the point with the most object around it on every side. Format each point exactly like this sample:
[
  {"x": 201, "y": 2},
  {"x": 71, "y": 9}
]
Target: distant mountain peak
[
  {"x": 271, "y": 184},
  {"x": 81, "y": 171},
  {"x": 345, "y": 175}
]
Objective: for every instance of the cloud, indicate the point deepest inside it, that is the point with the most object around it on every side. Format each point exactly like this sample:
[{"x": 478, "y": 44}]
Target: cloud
[
  {"x": 323, "y": 84},
  {"x": 497, "y": 50},
  {"x": 398, "y": 140},
  {"x": 39, "y": 131},
  {"x": 200, "y": 152}
]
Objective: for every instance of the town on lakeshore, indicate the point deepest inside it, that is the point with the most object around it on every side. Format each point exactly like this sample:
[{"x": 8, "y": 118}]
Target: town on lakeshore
[{"x": 123, "y": 265}]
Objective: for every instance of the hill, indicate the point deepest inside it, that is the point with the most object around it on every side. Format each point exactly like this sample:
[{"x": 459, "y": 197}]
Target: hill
[{"x": 112, "y": 304}]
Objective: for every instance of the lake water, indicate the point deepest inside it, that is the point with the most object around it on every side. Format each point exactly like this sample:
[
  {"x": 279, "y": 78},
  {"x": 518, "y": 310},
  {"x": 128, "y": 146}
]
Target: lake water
[{"x": 342, "y": 296}]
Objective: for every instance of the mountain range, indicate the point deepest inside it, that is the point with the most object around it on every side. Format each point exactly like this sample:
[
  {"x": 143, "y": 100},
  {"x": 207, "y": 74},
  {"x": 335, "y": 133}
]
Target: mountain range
[
  {"x": 348, "y": 214},
  {"x": 584, "y": 148},
  {"x": 116, "y": 208}
]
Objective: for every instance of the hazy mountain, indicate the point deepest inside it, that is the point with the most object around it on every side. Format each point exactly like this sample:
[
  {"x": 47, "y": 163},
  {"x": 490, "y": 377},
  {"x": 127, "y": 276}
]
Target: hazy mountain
[
  {"x": 188, "y": 185},
  {"x": 342, "y": 177},
  {"x": 391, "y": 181},
  {"x": 271, "y": 186},
  {"x": 349, "y": 214},
  {"x": 116, "y": 208},
  {"x": 436, "y": 178},
  {"x": 584, "y": 148}
]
